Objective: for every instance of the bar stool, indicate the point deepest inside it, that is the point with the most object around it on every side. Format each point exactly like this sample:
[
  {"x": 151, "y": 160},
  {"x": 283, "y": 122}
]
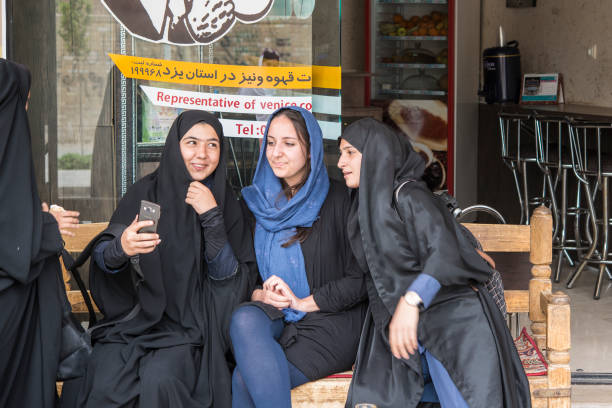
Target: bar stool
[
  {"x": 593, "y": 170},
  {"x": 554, "y": 158},
  {"x": 516, "y": 151}
]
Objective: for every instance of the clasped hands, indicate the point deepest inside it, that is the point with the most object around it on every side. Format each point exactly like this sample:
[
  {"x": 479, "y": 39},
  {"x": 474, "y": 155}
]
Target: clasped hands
[{"x": 277, "y": 293}]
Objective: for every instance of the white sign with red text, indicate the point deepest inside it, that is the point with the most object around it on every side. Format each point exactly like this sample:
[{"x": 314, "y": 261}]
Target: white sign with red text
[
  {"x": 243, "y": 128},
  {"x": 256, "y": 129},
  {"x": 212, "y": 102},
  {"x": 251, "y": 104}
]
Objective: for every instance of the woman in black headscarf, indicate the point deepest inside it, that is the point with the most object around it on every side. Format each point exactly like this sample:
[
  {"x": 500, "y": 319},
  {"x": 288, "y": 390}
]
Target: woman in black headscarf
[
  {"x": 425, "y": 285},
  {"x": 171, "y": 293},
  {"x": 30, "y": 275}
]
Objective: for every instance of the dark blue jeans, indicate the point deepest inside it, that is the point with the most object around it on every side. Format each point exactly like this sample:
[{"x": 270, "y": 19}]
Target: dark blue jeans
[{"x": 263, "y": 377}]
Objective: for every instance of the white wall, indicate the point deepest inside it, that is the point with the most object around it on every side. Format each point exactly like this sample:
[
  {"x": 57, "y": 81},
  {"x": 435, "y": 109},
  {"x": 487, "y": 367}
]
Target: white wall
[{"x": 554, "y": 37}]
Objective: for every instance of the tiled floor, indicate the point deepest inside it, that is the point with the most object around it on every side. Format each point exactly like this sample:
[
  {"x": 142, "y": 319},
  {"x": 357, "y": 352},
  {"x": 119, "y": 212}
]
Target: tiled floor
[
  {"x": 591, "y": 337},
  {"x": 591, "y": 396},
  {"x": 591, "y": 323}
]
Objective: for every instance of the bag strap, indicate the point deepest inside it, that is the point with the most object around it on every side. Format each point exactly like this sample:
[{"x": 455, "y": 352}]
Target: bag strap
[
  {"x": 72, "y": 266},
  {"x": 132, "y": 314},
  {"x": 396, "y": 196}
]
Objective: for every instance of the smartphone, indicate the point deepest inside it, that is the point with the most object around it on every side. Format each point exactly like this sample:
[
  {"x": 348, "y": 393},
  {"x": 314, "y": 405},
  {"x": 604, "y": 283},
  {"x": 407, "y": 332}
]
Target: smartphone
[{"x": 149, "y": 212}]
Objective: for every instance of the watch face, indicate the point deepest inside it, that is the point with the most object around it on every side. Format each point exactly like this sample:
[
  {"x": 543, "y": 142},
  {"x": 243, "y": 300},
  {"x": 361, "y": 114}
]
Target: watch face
[{"x": 412, "y": 299}]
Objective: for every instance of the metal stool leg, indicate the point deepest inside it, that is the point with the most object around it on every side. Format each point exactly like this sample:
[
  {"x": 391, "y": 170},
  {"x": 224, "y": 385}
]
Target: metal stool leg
[
  {"x": 577, "y": 234},
  {"x": 518, "y": 192},
  {"x": 576, "y": 274},
  {"x": 525, "y": 192},
  {"x": 564, "y": 203},
  {"x": 604, "y": 249},
  {"x": 553, "y": 201},
  {"x": 563, "y": 228}
]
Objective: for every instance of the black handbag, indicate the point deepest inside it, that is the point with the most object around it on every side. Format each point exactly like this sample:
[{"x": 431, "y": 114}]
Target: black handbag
[{"x": 76, "y": 341}]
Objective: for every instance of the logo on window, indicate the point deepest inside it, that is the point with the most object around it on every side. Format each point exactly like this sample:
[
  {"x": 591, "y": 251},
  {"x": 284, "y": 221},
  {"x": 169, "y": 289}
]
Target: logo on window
[{"x": 185, "y": 22}]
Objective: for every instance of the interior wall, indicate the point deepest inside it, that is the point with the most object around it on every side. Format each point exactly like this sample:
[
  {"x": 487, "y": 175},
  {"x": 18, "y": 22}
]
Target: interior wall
[
  {"x": 352, "y": 40},
  {"x": 554, "y": 37},
  {"x": 467, "y": 58},
  {"x": 353, "y": 35}
]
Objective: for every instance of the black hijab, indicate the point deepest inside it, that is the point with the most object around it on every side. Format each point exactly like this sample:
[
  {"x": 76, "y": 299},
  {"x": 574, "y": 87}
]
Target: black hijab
[
  {"x": 170, "y": 273},
  {"x": 429, "y": 240},
  {"x": 389, "y": 161},
  {"x": 20, "y": 214}
]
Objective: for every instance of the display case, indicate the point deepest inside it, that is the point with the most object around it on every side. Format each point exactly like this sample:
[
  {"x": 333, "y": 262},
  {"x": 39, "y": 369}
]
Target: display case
[
  {"x": 410, "y": 49},
  {"x": 434, "y": 103},
  {"x": 410, "y": 63}
]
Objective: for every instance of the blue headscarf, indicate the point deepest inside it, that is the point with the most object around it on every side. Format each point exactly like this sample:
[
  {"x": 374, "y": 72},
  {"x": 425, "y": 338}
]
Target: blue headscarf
[{"x": 277, "y": 217}]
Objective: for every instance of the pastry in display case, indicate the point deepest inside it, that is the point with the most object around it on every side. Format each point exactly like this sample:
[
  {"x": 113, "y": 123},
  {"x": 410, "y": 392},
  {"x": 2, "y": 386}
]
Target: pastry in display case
[{"x": 425, "y": 123}]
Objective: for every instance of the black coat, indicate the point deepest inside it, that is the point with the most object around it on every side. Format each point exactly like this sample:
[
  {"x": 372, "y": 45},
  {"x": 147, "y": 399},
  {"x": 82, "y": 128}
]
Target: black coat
[
  {"x": 462, "y": 328},
  {"x": 398, "y": 238}
]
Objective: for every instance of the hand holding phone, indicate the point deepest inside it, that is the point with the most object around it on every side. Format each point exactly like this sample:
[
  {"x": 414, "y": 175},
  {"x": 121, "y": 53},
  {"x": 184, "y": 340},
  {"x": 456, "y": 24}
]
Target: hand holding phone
[
  {"x": 149, "y": 212},
  {"x": 135, "y": 239}
]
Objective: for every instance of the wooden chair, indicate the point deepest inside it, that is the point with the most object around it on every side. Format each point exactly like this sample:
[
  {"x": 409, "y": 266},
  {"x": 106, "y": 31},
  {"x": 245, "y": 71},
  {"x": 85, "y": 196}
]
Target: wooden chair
[{"x": 549, "y": 313}]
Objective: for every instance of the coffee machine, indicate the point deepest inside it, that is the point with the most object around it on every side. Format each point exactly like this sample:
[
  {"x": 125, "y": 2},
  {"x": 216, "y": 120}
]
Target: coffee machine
[{"x": 502, "y": 72}]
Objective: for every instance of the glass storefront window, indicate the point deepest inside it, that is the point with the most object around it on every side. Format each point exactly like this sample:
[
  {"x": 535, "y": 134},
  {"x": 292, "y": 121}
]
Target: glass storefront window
[{"x": 103, "y": 130}]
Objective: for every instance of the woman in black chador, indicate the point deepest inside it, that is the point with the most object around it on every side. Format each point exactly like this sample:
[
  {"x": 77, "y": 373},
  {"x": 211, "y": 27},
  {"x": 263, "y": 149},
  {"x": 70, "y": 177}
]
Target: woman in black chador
[
  {"x": 305, "y": 319},
  {"x": 30, "y": 275},
  {"x": 171, "y": 293},
  {"x": 432, "y": 331}
]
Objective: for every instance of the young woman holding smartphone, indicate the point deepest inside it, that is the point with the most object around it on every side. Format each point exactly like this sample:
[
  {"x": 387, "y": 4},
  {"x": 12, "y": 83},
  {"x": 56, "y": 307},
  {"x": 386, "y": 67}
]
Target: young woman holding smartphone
[{"x": 169, "y": 295}]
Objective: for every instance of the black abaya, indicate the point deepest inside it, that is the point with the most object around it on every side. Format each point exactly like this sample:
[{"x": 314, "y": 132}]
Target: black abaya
[
  {"x": 30, "y": 275},
  {"x": 396, "y": 240},
  {"x": 173, "y": 352}
]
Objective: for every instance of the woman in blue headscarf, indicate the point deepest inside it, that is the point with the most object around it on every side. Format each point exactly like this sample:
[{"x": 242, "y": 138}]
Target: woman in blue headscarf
[{"x": 305, "y": 318}]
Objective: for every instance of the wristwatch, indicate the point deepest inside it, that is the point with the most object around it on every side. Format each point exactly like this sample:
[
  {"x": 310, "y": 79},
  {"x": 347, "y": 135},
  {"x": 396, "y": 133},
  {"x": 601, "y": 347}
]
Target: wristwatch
[{"x": 413, "y": 299}]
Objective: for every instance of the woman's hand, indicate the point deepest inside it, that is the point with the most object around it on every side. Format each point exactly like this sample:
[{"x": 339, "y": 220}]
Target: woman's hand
[
  {"x": 271, "y": 298},
  {"x": 200, "y": 197},
  {"x": 66, "y": 220},
  {"x": 279, "y": 286},
  {"x": 134, "y": 243},
  {"x": 403, "y": 330},
  {"x": 486, "y": 257}
]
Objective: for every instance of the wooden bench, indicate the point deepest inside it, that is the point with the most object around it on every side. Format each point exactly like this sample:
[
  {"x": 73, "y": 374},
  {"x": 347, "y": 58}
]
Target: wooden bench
[{"x": 549, "y": 313}]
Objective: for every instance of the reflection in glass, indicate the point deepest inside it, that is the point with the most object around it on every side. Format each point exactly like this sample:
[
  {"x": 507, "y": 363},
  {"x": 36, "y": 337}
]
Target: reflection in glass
[
  {"x": 84, "y": 109},
  {"x": 96, "y": 106}
]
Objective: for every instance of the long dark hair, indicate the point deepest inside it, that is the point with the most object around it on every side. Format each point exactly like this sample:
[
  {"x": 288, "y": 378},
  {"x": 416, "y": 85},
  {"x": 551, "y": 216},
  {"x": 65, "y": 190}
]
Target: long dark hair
[{"x": 299, "y": 124}]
